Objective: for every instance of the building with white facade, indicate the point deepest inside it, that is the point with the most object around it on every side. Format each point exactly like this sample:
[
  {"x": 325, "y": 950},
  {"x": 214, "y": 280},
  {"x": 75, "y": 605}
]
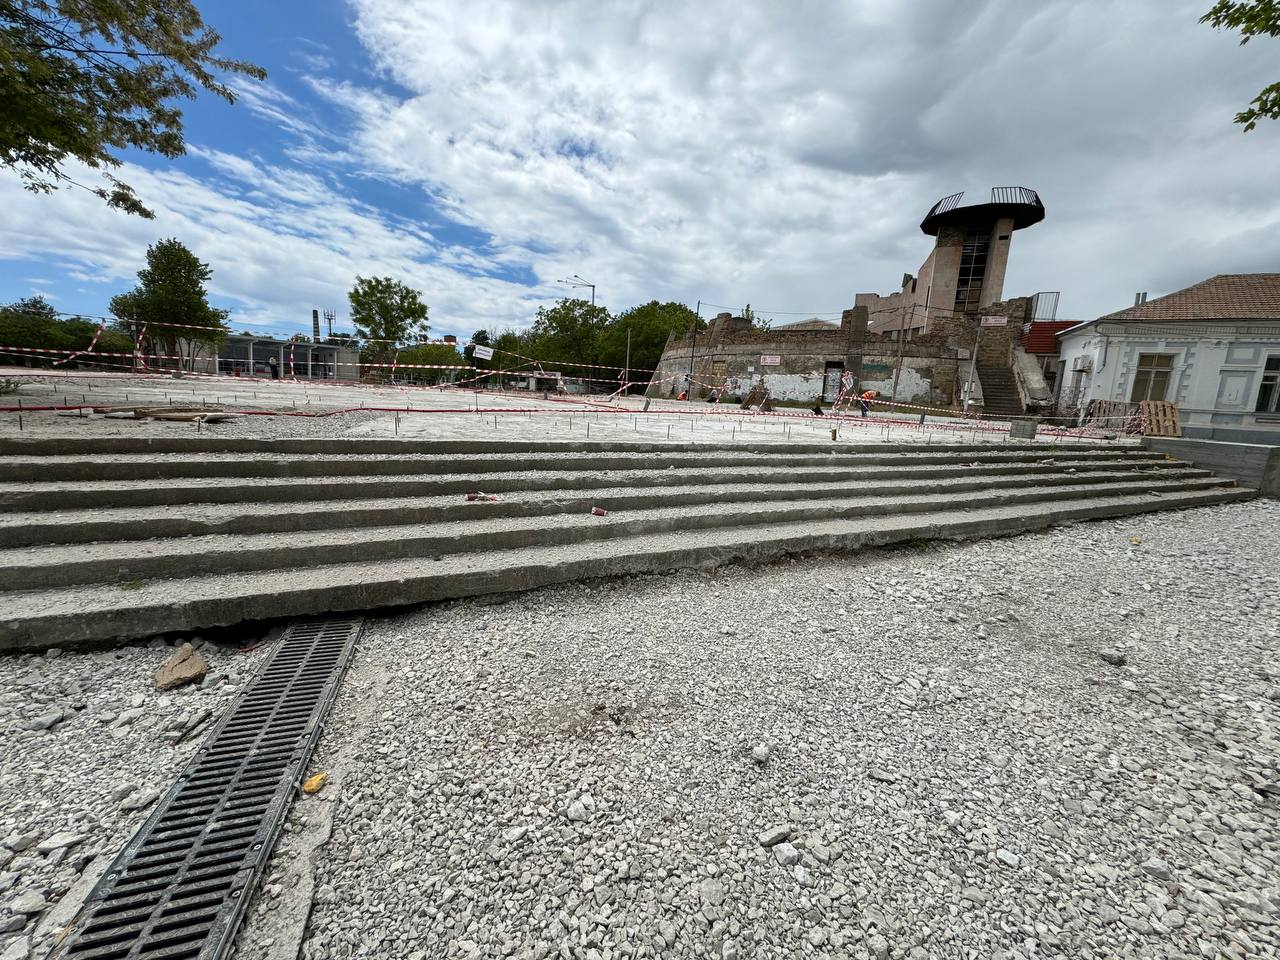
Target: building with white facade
[{"x": 1213, "y": 349}]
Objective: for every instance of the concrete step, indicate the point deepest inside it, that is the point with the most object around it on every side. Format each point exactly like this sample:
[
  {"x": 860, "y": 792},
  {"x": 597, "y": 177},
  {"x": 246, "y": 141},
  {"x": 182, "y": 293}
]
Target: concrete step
[
  {"x": 60, "y": 468},
  {"x": 57, "y": 495},
  {"x": 202, "y": 519},
  {"x": 55, "y": 566},
  {"x": 101, "y": 612},
  {"x": 79, "y": 446}
]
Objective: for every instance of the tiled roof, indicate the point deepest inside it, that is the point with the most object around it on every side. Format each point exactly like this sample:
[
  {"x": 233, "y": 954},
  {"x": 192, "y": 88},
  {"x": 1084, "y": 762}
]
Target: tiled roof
[
  {"x": 1042, "y": 337},
  {"x": 1228, "y": 296}
]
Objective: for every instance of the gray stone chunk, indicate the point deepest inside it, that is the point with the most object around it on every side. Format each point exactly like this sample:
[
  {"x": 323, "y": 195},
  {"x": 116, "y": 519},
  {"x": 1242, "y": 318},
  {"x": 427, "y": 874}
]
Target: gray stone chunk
[
  {"x": 28, "y": 901},
  {"x": 775, "y": 835},
  {"x": 786, "y": 854},
  {"x": 60, "y": 841}
]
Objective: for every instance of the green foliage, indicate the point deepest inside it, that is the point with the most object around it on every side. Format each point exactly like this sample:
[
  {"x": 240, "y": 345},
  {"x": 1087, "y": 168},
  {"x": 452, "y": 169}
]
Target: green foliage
[
  {"x": 34, "y": 323},
  {"x": 568, "y": 332},
  {"x": 84, "y": 78},
  {"x": 757, "y": 325},
  {"x": 478, "y": 339},
  {"x": 384, "y": 309},
  {"x": 649, "y": 324},
  {"x": 171, "y": 290},
  {"x": 431, "y": 353},
  {"x": 1252, "y": 18}
]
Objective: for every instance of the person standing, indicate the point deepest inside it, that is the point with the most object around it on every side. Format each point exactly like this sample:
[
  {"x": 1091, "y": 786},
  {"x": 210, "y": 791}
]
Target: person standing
[{"x": 274, "y": 366}]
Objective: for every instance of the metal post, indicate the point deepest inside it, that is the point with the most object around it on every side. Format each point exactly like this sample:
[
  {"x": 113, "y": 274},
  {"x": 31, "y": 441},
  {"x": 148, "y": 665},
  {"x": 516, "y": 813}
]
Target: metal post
[
  {"x": 901, "y": 335},
  {"x": 973, "y": 364},
  {"x": 626, "y": 373}
]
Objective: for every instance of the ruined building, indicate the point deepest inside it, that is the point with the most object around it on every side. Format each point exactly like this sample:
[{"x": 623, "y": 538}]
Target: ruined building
[
  {"x": 964, "y": 271},
  {"x": 946, "y": 339}
]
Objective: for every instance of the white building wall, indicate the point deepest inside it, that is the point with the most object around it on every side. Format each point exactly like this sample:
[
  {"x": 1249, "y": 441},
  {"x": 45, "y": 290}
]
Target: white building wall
[{"x": 1214, "y": 379}]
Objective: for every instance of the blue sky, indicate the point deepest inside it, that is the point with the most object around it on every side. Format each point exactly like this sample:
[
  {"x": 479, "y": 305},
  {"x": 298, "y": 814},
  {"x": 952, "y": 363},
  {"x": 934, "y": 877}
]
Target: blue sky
[{"x": 722, "y": 152}]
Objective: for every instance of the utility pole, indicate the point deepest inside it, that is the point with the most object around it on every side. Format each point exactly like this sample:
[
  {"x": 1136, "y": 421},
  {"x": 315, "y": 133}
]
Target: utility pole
[
  {"x": 901, "y": 337},
  {"x": 693, "y": 348}
]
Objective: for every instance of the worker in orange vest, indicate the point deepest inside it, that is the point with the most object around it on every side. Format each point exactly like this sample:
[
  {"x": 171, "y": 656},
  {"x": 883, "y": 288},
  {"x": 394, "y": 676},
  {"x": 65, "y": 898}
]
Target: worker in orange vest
[{"x": 865, "y": 400}]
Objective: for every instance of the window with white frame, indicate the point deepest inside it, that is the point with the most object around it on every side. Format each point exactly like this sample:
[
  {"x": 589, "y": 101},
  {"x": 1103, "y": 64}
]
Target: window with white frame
[
  {"x": 1151, "y": 379},
  {"x": 1269, "y": 392}
]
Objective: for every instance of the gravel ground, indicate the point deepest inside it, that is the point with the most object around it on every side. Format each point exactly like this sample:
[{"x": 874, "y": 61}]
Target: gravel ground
[
  {"x": 914, "y": 753},
  {"x": 87, "y": 745}
]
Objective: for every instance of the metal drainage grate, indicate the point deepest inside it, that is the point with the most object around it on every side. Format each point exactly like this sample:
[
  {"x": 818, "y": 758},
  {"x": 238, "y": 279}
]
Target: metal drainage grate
[{"x": 179, "y": 888}]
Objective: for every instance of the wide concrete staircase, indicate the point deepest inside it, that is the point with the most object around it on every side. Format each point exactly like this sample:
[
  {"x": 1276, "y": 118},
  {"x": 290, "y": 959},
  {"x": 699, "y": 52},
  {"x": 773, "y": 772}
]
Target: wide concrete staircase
[
  {"x": 109, "y": 539},
  {"x": 1000, "y": 397}
]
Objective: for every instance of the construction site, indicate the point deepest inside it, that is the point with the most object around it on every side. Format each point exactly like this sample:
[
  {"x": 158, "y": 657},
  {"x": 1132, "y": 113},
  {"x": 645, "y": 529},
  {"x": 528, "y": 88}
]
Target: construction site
[{"x": 340, "y": 670}]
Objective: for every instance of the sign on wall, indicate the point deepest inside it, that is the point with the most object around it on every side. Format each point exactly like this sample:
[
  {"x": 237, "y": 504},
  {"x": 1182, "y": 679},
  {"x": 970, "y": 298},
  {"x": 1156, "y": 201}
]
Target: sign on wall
[
  {"x": 995, "y": 321},
  {"x": 770, "y": 360},
  {"x": 482, "y": 353}
]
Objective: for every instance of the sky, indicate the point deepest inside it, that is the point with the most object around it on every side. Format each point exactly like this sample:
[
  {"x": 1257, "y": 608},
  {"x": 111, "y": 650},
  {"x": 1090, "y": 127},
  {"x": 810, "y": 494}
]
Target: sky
[{"x": 720, "y": 153}]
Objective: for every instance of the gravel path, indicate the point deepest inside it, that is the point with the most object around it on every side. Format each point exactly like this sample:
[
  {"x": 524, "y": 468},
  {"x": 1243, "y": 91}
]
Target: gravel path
[
  {"x": 87, "y": 745},
  {"x": 914, "y": 753}
]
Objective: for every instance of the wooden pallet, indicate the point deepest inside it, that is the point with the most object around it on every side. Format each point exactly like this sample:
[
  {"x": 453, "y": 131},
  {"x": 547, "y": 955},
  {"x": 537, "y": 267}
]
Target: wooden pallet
[{"x": 1161, "y": 418}]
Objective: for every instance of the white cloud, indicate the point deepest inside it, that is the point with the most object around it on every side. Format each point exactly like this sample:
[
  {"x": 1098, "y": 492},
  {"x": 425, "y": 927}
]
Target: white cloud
[
  {"x": 784, "y": 153},
  {"x": 778, "y": 154},
  {"x": 280, "y": 242}
]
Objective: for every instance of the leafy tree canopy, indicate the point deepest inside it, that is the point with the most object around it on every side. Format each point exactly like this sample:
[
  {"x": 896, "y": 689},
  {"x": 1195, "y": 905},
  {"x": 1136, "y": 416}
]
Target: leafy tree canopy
[
  {"x": 650, "y": 324},
  {"x": 384, "y": 309},
  {"x": 82, "y": 79},
  {"x": 569, "y": 331},
  {"x": 171, "y": 289},
  {"x": 1252, "y": 18},
  {"x": 33, "y": 322}
]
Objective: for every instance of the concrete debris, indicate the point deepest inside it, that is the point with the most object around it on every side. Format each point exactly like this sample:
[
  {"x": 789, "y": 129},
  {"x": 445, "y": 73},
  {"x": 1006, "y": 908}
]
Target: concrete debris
[
  {"x": 44, "y": 720},
  {"x": 760, "y": 754},
  {"x": 786, "y": 854},
  {"x": 1116, "y": 658},
  {"x": 185, "y": 666},
  {"x": 18, "y": 842},
  {"x": 27, "y": 901},
  {"x": 775, "y": 835},
  {"x": 60, "y": 841}
]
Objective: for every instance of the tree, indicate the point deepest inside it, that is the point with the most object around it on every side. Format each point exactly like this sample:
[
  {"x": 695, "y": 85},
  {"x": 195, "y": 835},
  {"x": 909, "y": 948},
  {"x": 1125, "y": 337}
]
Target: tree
[
  {"x": 34, "y": 323},
  {"x": 569, "y": 334},
  {"x": 650, "y": 325},
  {"x": 171, "y": 291},
  {"x": 430, "y": 354},
  {"x": 1253, "y": 18},
  {"x": 386, "y": 314},
  {"x": 478, "y": 339},
  {"x": 83, "y": 78}
]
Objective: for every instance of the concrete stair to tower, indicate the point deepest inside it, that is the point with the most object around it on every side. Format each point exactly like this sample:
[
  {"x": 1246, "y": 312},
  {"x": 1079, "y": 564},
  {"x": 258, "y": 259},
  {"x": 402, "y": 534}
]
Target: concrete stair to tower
[
  {"x": 1000, "y": 398},
  {"x": 175, "y": 538}
]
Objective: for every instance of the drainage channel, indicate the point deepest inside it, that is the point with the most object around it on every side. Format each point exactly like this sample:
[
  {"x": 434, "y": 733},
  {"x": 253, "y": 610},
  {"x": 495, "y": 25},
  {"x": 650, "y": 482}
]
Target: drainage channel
[{"x": 179, "y": 889}]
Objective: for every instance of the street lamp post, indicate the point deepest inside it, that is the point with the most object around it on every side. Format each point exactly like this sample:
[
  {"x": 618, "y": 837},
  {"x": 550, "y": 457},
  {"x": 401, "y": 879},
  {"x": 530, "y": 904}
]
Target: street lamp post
[{"x": 577, "y": 281}]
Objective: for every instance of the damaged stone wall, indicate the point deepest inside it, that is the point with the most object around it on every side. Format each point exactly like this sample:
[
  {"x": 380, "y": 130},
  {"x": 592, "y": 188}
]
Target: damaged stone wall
[{"x": 804, "y": 365}]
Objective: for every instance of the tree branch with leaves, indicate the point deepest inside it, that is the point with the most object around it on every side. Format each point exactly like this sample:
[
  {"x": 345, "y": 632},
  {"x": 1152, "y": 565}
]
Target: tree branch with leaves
[
  {"x": 1252, "y": 18},
  {"x": 81, "y": 79}
]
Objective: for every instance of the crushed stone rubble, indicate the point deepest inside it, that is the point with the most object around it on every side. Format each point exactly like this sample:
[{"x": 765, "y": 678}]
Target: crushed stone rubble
[
  {"x": 1054, "y": 745},
  {"x": 87, "y": 746},
  {"x": 1064, "y": 744}
]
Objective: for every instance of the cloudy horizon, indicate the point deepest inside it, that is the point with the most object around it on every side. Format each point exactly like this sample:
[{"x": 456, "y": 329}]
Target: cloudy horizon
[{"x": 723, "y": 153}]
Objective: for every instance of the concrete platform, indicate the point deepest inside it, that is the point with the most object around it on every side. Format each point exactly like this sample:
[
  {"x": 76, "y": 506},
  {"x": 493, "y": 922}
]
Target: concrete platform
[{"x": 99, "y": 545}]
